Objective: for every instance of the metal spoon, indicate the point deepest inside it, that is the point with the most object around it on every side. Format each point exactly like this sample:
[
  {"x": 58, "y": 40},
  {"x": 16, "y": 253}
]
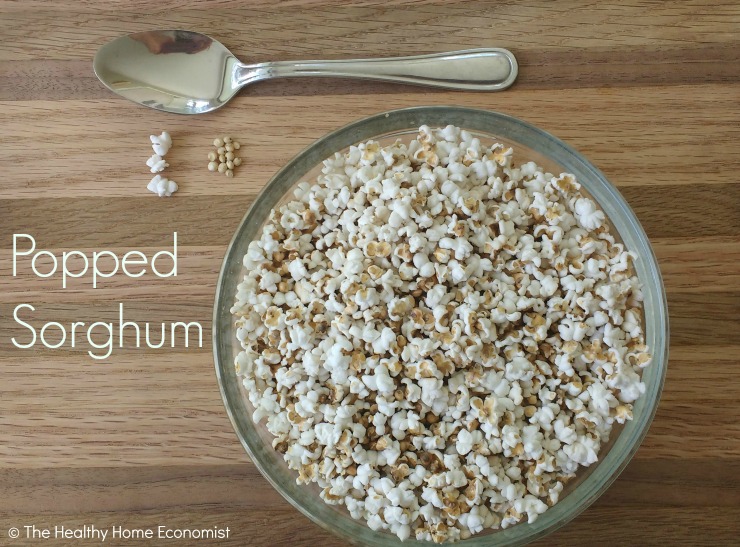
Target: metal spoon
[{"x": 190, "y": 73}]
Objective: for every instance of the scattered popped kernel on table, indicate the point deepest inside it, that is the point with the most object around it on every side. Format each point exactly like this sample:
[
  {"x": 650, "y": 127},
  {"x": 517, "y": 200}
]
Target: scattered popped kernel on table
[
  {"x": 161, "y": 144},
  {"x": 162, "y": 186},
  {"x": 439, "y": 339}
]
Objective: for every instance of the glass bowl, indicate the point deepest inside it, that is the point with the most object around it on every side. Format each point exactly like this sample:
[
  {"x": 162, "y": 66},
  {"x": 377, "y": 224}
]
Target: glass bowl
[{"x": 530, "y": 143}]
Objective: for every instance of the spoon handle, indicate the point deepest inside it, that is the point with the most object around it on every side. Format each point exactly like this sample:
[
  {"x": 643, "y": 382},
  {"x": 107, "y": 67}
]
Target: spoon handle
[{"x": 490, "y": 69}]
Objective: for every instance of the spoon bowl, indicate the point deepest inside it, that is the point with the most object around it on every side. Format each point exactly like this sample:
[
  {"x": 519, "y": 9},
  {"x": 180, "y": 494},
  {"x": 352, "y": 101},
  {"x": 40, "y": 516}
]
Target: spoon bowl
[
  {"x": 190, "y": 73},
  {"x": 172, "y": 70}
]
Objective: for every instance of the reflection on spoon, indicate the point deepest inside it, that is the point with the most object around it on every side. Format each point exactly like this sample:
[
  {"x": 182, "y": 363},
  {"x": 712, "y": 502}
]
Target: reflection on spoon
[{"x": 172, "y": 41}]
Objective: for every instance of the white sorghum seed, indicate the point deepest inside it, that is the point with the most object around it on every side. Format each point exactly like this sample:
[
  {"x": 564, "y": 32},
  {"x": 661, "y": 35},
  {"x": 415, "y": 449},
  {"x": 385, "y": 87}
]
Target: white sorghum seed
[
  {"x": 218, "y": 142},
  {"x": 222, "y": 167},
  {"x": 212, "y": 166}
]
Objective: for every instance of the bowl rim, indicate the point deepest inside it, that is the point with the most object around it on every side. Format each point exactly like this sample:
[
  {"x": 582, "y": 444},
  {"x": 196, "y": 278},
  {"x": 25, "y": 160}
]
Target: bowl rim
[{"x": 610, "y": 198}]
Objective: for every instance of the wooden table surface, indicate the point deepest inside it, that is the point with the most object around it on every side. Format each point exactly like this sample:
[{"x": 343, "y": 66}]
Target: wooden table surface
[{"x": 649, "y": 91}]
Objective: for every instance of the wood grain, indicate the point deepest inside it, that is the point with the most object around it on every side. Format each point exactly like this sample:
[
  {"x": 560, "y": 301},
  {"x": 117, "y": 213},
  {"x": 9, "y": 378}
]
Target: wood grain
[{"x": 648, "y": 91}]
